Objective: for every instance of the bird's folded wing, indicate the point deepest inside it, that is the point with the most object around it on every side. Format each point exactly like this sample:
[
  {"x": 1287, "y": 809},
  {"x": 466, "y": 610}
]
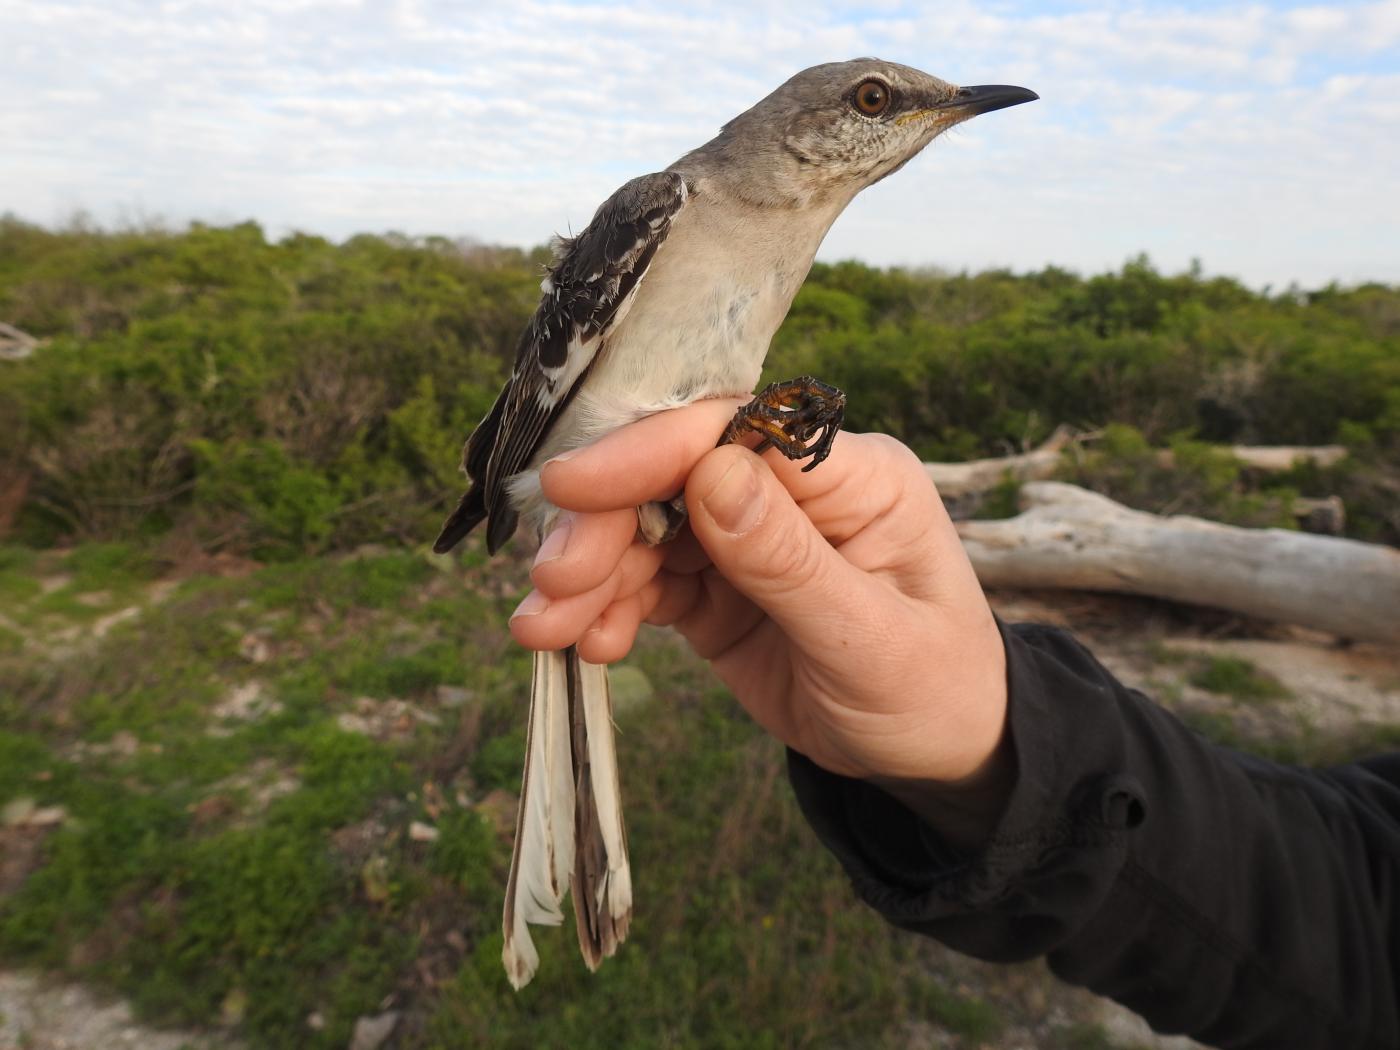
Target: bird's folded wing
[{"x": 587, "y": 291}]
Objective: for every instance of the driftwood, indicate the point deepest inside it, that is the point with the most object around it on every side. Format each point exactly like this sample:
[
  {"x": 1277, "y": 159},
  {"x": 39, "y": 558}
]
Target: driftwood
[
  {"x": 955, "y": 480},
  {"x": 1068, "y": 537},
  {"x": 1275, "y": 459}
]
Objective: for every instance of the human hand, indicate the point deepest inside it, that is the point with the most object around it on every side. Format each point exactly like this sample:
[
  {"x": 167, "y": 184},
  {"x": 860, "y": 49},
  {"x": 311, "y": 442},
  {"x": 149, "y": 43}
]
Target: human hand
[{"x": 837, "y": 605}]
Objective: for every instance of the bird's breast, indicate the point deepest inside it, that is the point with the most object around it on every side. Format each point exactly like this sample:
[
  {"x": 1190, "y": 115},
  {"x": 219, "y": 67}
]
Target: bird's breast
[
  {"x": 703, "y": 317},
  {"x": 700, "y": 320}
]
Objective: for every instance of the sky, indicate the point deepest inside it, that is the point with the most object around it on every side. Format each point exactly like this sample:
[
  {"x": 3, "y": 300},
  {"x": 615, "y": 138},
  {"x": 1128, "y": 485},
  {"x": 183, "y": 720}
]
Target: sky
[{"x": 1261, "y": 138}]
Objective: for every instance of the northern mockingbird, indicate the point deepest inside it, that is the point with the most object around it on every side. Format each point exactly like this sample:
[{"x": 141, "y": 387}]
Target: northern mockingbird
[{"x": 723, "y": 237}]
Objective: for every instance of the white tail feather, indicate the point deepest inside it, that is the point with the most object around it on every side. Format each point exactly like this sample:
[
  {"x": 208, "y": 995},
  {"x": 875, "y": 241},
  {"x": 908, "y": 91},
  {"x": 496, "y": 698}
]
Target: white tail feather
[
  {"x": 570, "y": 736},
  {"x": 543, "y": 857},
  {"x": 615, "y": 892}
]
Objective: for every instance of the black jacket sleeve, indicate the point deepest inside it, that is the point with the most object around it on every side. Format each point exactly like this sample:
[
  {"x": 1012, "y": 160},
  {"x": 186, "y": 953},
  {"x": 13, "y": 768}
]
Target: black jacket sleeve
[{"x": 1241, "y": 902}]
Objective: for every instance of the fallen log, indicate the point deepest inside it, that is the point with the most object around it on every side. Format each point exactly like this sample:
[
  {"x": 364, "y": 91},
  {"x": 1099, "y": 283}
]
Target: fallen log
[
  {"x": 1068, "y": 537},
  {"x": 955, "y": 480},
  {"x": 1278, "y": 458}
]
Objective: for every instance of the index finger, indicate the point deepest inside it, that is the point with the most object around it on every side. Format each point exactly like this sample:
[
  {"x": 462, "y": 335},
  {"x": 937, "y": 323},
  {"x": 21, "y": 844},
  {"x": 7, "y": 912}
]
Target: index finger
[{"x": 639, "y": 463}]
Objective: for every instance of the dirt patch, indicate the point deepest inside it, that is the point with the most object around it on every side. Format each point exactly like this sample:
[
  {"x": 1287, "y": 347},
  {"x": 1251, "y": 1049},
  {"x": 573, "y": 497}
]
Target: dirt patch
[
  {"x": 1154, "y": 646},
  {"x": 246, "y": 702},
  {"x": 1334, "y": 687},
  {"x": 36, "y": 1014},
  {"x": 390, "y": 719}
]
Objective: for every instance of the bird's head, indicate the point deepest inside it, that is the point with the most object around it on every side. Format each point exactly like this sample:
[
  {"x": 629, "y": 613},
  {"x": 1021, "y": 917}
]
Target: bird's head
[{"x": 842, "y": 126}]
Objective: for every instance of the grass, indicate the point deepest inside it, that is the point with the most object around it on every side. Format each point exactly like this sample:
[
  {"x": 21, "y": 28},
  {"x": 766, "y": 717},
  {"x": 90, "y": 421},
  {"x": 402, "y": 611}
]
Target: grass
[
  {"x": 262, "y": 873},
  {"x": 196, "y": 898},
  {"x": 1300, "y": 744},
  {"x": 1238, "y": 678},
  {"x": 1253, "y": 721},
  {"x": 253, "y": 871}
]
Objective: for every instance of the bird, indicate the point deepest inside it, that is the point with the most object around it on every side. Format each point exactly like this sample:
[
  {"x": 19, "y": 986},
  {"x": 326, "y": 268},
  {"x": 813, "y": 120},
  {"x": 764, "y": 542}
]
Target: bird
[{"x": 670, "y": 294}]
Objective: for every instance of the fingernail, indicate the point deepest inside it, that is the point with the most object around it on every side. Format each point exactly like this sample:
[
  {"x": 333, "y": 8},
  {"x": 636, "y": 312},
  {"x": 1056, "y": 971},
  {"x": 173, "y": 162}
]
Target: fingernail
[
  {"x": 736, "y": 501},
  {"x": 556, "y": 542},
  {"x": 534, "y": 604},
  {"x": 566, "y": 454}
]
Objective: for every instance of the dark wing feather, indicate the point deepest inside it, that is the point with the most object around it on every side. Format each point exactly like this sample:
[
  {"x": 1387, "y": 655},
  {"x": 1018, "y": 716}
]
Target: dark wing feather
[{"x": 587, "y": 290}]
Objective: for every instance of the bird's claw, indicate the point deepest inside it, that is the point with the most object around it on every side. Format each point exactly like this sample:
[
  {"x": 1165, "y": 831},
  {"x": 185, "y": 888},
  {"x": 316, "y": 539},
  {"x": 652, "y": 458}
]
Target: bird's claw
[{"x": 788, "y": 415}]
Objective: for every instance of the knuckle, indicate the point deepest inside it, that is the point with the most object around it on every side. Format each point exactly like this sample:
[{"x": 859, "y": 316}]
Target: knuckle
[
  {"x": 895, "y": 454},
  {"x": 790, "y": 556}
]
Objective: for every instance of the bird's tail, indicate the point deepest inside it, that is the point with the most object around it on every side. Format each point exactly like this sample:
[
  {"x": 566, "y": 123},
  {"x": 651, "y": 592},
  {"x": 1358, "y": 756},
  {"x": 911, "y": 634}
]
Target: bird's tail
[{"x": 569, "y": 825}]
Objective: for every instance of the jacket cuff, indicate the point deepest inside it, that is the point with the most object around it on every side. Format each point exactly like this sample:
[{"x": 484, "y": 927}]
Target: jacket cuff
[{"x": 1066, "y": 801}]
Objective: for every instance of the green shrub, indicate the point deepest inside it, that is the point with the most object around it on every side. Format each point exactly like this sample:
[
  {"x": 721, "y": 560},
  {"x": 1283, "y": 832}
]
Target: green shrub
[
  {"x": 1199, "y": 480},
  {"x": 1238, "y": 678},
  {"x": 298, "y": 395}
]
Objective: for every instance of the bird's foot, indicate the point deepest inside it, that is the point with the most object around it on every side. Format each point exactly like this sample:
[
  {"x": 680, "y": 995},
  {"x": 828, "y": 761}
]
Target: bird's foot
[{"x": 789, "y": 415}]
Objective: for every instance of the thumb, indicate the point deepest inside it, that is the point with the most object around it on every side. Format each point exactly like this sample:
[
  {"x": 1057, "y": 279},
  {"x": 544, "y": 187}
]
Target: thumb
[{"x": 767, "y": 548}]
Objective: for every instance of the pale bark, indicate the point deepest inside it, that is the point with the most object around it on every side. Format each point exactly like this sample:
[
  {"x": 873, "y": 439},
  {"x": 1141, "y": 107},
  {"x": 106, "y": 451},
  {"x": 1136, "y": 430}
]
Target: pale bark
[
  {"x": 1278, "y": 458},
  {"x": 978, "y": 475},
  {"x": 954, "y": 480},
  {"x": 1068, "y": 537}
]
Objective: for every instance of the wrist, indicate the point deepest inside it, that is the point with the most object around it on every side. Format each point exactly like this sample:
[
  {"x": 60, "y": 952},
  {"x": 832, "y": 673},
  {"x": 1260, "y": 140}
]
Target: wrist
[
  {"x": 964, "y": 812},
  {"x": 966, "y": 793}
]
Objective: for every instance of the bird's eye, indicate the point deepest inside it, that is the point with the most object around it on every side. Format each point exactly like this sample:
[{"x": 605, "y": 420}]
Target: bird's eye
[{"x": 872, "y": 98}]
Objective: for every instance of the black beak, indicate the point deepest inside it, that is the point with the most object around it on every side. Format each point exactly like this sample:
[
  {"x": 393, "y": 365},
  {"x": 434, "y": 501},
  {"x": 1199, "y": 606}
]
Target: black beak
[{"x": 986, "y": 97}]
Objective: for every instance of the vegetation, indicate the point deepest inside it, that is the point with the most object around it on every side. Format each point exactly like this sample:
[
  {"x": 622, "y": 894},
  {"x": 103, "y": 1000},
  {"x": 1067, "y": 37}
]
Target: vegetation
[
  {"x": 285, "y": 740},
  {"x": 1238, "y": 678},
  {"x": 240, "y": 773},
  {"x": 215, "y": 391}
]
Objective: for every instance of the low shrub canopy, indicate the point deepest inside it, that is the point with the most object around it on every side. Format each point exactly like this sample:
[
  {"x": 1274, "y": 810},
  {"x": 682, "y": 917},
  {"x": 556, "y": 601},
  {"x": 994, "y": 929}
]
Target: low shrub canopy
[{"x": 292, "y": 396}]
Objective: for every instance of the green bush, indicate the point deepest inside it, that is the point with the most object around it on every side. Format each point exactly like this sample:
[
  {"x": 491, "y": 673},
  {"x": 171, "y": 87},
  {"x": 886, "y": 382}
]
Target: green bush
[
  {"x": 283, "y": 397},
  {"x": 1200, "y": 480}
]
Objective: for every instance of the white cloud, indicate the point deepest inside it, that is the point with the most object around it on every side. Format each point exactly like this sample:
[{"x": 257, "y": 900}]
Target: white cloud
[{"x": 1263, "y": 139}]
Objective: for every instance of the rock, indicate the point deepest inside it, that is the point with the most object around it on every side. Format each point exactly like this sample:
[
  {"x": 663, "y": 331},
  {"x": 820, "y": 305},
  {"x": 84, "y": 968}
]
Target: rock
[
  {"x": 420, "y": 832},
  {"x": 371, "y": 1032}
]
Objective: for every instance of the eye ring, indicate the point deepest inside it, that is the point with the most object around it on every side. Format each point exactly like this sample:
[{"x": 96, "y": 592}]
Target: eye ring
[{"x": 871, "y": 97}]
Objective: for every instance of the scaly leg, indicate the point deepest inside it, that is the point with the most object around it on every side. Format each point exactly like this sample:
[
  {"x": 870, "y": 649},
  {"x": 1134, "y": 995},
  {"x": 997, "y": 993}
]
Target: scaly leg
[{"x": 787, "y": 416}]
